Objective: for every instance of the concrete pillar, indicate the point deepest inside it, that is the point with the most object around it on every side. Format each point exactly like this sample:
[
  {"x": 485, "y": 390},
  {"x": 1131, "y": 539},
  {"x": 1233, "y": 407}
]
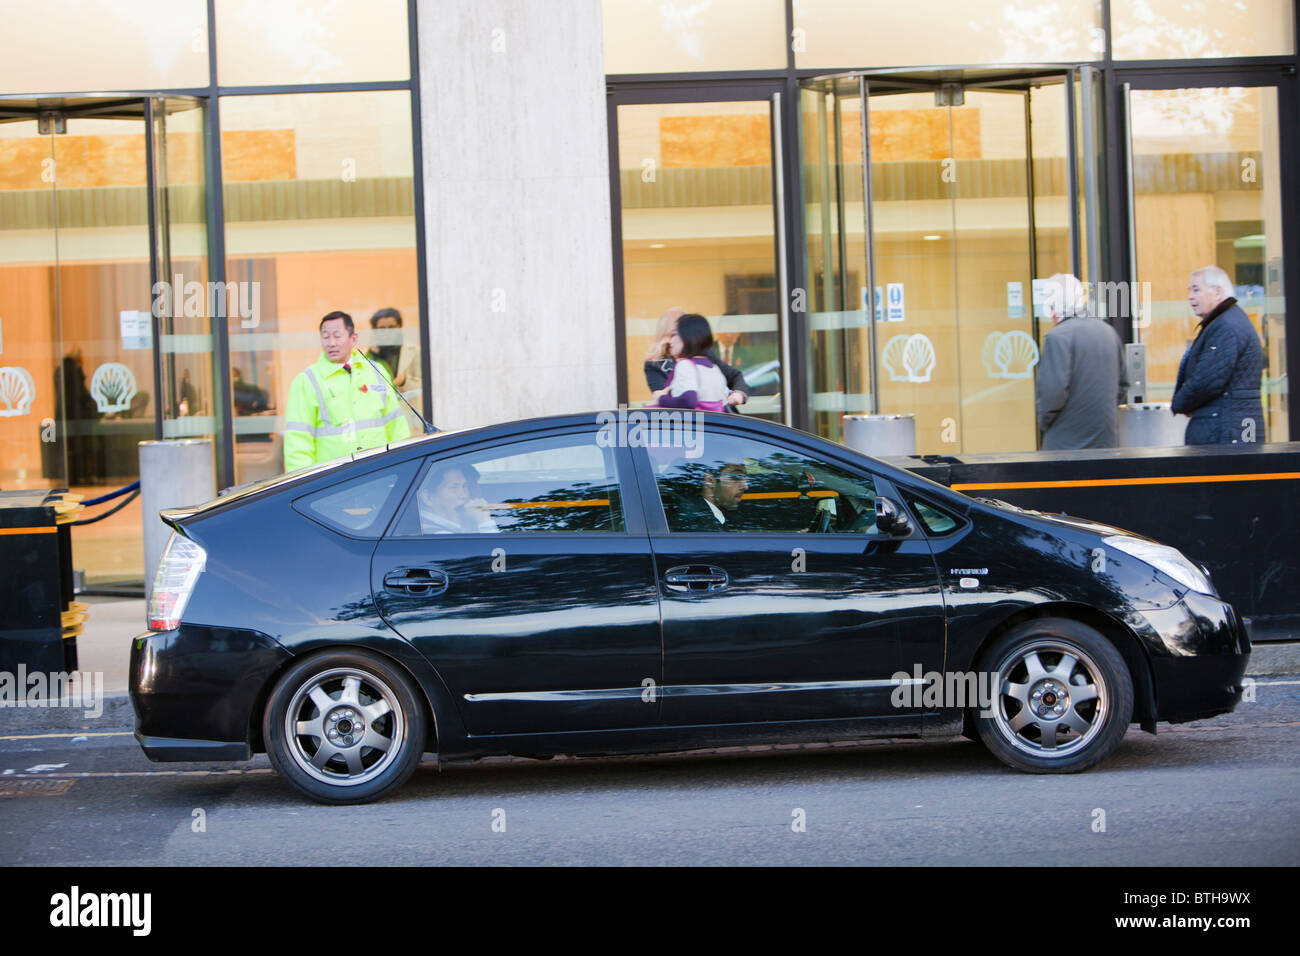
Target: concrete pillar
[{"x": 516, "y": 181}]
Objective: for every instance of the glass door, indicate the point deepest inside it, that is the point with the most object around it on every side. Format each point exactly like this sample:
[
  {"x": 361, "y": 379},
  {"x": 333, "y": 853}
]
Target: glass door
[
  {"x": 99, "y": 198},
  {"x": 699, "y": 224},
  {"x": 1207, "y": 187},
  {"x": 968, "y": 202}
]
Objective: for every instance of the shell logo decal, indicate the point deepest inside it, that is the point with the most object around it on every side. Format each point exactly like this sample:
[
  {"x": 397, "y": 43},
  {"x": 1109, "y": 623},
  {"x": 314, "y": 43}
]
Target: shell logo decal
[
  {"x": 1010, "y": 354},
  {"x": 113, "y": 387},
  {"x": 908, "y": 358},
  {"x": 17, "y": 389}
]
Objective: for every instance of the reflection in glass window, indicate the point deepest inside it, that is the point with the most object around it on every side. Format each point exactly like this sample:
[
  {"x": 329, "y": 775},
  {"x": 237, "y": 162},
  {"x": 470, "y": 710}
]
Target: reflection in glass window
[
  {"x": 355, "y": 507},
  {"x": 563, "y": 484},
  {"x": 272, "y": 42},
  {"x": 320, "y": 215},
  {"x": 695, "y": 185},
  {"x": 850, "y": 33},
  {"x": 933, "y": 519},
  {"x": 1178, "y": 30},
  {"x": 650, "y": 36},
  {"x": 745, "y": 485}
]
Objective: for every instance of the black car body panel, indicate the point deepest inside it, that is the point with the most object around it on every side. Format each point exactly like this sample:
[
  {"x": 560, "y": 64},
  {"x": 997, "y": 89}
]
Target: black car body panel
[{"x": 577, "y": 646}]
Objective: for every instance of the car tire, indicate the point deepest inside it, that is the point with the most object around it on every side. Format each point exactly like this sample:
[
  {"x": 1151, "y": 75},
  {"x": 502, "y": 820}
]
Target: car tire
[
  {"x": 1062, "y": 697},
  {"x": 344, "y": 727}
]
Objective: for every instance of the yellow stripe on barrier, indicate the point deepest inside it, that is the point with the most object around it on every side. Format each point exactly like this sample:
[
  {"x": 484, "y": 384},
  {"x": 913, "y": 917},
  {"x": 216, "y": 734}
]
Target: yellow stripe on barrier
[
  {"x": 45, "y": 530},
  {"x": 1104, "y": 482},
  {"x": 589, "y": 503}
]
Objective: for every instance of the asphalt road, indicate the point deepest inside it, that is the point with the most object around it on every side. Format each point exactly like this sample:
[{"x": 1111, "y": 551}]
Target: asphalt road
[{"x": 1224, "y": 791}]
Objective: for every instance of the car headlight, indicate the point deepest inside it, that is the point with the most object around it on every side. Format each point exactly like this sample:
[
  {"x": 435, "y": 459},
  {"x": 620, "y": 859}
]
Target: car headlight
[{"x": 1165, "y": 559}]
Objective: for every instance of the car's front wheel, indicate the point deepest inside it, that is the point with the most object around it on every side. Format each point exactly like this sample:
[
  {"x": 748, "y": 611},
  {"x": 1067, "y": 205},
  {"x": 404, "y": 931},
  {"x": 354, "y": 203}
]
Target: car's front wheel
[
  {"x": 1062, "y": 697},
  {"x": 344, "y": 727}
]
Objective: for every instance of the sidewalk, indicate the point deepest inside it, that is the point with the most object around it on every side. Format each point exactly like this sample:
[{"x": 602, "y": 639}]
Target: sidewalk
[{"x": 105, "y": 647}]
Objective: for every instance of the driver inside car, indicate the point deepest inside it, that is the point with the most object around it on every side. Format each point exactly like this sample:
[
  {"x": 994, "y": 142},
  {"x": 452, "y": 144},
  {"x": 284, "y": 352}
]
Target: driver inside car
[{"x": 715, "y": 506}]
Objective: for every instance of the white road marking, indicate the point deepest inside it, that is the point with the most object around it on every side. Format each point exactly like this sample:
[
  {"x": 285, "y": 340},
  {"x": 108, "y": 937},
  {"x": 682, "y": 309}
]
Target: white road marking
[{"x": 45, "y": 767}]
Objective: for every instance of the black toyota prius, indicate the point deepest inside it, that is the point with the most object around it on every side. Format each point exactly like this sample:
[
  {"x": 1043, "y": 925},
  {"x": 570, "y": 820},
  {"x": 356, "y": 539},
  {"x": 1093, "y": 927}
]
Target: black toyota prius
[{"x": 633, "y": 582}]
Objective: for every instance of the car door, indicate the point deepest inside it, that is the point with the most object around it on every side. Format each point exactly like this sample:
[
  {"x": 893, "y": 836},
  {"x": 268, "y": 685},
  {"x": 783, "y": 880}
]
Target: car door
[
  {"x": 540, "y": 611},
  {"x": 781, "y": 599}
]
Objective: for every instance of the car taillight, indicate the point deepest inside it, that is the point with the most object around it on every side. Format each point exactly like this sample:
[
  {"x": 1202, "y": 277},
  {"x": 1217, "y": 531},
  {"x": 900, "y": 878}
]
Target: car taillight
[{"x": 181, "y": 564}]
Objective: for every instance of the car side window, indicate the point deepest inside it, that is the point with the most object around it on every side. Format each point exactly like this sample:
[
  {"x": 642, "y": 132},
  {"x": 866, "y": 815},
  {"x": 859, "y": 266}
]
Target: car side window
[
  {"x": 356, "y": 507},
  {"x": 742, "y": 484},
  {"x": 564, "y": 483},
  {"x": 933, "y": 519}
]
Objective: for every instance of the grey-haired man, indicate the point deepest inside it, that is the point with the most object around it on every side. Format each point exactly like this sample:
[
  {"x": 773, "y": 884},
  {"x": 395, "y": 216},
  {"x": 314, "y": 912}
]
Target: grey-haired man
[
  {"x": 1081, "y": 378},
  {"x": 1218, "y": 378}
]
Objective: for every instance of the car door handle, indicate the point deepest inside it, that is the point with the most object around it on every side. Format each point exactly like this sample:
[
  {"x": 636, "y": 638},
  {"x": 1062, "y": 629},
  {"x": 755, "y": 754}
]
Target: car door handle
[
  {"x": 416, "y": 582},
  {"x": 695, "y": 579}
]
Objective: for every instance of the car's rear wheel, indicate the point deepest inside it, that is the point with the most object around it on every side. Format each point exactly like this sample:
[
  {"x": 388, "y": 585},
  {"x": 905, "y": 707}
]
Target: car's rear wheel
[
  {"x": 344, "y": 727},
  {"x": 1062, "y": 697}
]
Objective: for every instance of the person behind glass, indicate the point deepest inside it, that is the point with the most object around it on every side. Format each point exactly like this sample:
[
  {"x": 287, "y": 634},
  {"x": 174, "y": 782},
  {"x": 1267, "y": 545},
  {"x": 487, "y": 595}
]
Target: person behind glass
[
  {"x": 446, "y": 505},
  {"x": 403, "y": 360},
  {"x": 659, "y": 361},
  {"x": 716, "y": 505},
  {"x": 1218, "y": 385},
  {"x": 695, "y": 380}
]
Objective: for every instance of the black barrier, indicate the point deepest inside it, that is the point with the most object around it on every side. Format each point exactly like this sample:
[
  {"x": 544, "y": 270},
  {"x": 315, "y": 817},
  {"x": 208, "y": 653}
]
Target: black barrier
[
  {"x": 41, "y": 620},
  {"x": 1231, "y": 508}
]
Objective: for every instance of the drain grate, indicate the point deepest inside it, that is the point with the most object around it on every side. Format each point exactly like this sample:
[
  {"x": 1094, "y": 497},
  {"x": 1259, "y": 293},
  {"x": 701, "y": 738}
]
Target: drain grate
[{"x": 35, "y": 787}]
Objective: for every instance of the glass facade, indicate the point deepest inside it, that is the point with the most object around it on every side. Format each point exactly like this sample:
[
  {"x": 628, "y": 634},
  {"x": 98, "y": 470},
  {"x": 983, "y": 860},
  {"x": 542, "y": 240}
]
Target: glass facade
[
  {"x": 320, "y": 215},
  {"x": 919, "y": 246},
  {"x": 698, "y": 229},
  {"x": 147, "y": 291},
  {"x": 1181, "y": 30},
  {"x": 648, "y": 36},
  {"x": 1207, "y": 189},
  {"x": 862, "y": 208}
]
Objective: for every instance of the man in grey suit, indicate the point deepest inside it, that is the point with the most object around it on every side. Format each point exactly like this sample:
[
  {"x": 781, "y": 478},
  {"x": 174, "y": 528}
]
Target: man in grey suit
[
  {"x": 1218, "y": 378},
  {"x": 1081, "y": 378}
]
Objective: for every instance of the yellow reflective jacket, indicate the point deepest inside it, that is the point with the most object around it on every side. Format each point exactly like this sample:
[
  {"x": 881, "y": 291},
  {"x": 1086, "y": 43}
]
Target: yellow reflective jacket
[{"x": 334, "y": 412}]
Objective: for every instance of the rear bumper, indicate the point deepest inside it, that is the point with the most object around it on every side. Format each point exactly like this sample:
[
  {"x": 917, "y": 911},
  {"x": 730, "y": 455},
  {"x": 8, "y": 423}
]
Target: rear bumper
[
  {"x": 169, "y": 749},
  {"x": 197, "y": 691},
  {"x": 1200, "y": 662}
]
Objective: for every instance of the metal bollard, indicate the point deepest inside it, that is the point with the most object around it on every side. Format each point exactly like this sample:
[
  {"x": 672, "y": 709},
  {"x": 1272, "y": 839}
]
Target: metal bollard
[
  {"x": 881, "y": 436},
  {"x": 1150, "y": 424},
  {"x": 173, "y": 473}
]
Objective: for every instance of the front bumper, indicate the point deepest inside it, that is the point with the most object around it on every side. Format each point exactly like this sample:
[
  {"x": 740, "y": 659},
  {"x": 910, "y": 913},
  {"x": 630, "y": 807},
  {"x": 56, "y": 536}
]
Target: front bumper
[
  {"x": 1199, "y": 650},
  {"x": 197, "y": 691}
]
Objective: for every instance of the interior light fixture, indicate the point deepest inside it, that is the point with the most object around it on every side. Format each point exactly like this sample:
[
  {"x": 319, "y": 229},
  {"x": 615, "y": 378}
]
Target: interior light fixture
[
  {"x": 931, "y": 238},
  {"x": 656, "y": 245}
]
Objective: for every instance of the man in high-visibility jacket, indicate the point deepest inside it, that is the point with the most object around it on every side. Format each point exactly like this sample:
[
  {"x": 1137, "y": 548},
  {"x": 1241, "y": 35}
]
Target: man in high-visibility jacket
[{"x": 341, "y": 404}]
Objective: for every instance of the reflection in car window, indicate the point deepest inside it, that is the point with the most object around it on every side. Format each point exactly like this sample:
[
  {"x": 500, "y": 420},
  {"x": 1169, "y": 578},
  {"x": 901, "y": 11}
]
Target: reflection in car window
[
  {"x": 564, "y": 483},
  {"x": 741, "y": 484},
  {"x": 934, "y": 520},
  {"x": 355, "y": 507}
]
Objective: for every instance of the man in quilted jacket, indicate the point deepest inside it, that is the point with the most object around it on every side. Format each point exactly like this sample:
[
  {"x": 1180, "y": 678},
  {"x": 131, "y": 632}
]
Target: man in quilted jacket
[{"x": 1218, "y": 378}]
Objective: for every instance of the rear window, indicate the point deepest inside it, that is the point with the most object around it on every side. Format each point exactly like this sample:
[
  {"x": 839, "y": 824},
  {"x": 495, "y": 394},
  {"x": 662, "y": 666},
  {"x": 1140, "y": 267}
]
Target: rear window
[{"x": 359, "y": 507}]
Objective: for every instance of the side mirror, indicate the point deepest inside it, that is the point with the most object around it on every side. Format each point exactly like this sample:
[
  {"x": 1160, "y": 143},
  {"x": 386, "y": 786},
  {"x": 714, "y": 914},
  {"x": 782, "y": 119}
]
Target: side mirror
[{"x": 891, "y": 519}]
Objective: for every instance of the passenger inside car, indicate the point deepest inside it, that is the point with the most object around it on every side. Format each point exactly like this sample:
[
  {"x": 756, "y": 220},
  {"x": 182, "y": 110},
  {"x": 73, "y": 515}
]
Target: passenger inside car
[{"x": 446, "y": 505}]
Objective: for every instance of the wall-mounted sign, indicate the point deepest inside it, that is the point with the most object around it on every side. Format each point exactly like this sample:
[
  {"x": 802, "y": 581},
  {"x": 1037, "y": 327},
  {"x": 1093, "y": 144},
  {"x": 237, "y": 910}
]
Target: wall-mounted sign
[
  {"x": 1015, "y": 300},
  {"x": 17, "y": 389},
  {"x": 894, "y": 302},
  {"x": 908, "y": 358},
  {"x": 1038, "y": 291},
  {"x": 137, "y": 329},
  {"x": 1010, "y": 354},
  {"x": 112, "y": 386}
]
